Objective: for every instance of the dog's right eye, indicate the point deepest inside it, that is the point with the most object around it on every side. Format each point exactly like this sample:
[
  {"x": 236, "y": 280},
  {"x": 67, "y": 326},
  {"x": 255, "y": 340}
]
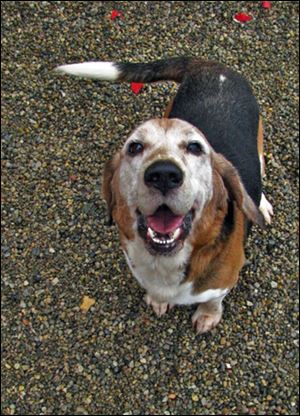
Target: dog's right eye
[{"x": 135, "y": 148}]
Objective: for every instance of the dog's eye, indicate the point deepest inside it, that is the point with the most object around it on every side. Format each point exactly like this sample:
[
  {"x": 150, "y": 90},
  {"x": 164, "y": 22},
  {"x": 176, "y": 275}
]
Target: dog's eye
[
  {"x": 195, "y": 148},
  {"x": 135, "y": 148}
]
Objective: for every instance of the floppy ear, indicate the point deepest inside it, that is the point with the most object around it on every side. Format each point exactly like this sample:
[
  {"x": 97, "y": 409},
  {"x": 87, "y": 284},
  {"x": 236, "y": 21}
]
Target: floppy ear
[
  {"x": 236, "y": 189},
  {"x": 107, "y": 186}
]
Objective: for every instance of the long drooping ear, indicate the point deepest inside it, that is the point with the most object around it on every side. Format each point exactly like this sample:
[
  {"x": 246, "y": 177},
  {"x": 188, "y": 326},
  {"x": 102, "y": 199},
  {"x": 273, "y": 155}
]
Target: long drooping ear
[
  {"x": 107, "y": 186},
  {"x": 236, "y": 189}
]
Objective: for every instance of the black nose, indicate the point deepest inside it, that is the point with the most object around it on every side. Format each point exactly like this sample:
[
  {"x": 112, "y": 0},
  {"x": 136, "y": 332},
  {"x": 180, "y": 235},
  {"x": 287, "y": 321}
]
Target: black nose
[{"x": 163, "y": 175}]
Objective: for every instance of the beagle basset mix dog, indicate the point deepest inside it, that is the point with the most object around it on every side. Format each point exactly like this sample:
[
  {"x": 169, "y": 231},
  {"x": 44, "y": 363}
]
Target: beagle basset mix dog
[{"x": 185, "y": 188}]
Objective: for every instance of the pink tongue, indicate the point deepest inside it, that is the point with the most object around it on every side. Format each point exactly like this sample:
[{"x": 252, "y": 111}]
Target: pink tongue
[{"x": 164, "y": 221}]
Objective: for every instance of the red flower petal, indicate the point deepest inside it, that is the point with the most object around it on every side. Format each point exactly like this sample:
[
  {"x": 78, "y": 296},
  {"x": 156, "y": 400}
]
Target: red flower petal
[
  {"x": 242, "y": 17},
  {"x": 266, "y": 4},
  {"x": 136, "y": 87},
  {"x": 115, "y": 14}
]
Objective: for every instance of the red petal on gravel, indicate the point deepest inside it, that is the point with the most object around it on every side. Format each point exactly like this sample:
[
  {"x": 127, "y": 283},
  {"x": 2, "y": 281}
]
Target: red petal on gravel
[
  {"x": 242, "y": 17},
  {"x": 266, "y": 4},
  {"x": 115, "y": 14},
  {"x": 136, "y": 87}
]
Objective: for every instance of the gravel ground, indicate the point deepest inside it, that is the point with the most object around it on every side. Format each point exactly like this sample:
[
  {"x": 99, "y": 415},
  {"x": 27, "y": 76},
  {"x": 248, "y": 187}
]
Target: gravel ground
[{"x": 57, "y": 132}]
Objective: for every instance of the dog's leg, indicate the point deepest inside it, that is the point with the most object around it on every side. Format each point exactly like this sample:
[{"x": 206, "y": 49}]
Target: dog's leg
[
  {"x": 159, "y": 308},
  {"x": 260, "y": 147},
  {"x": 265, "y": 207},
  {"x": 208, "y": 315}
]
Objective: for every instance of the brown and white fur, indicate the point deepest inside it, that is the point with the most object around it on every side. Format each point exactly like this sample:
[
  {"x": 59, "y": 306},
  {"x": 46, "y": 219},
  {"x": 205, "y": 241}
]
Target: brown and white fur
[{"x": 180, "y": 206}]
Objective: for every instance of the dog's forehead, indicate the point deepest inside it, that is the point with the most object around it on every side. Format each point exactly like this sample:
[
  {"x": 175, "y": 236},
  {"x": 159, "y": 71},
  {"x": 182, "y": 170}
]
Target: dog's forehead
[{"x": 168, "y": 132}]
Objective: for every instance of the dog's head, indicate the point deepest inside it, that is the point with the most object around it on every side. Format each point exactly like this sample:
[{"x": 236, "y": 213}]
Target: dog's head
[{"x": 162, "y": 180}]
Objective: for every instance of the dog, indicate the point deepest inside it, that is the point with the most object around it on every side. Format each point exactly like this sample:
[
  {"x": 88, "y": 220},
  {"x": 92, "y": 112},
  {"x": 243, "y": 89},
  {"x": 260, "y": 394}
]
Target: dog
[{"x": 186, "y": 188}]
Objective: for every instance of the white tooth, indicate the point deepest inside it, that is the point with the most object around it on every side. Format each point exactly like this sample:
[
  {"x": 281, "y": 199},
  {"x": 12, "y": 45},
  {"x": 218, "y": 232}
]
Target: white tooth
[
  {"x": 176, "y": 233},
  {"x": 161, "y": 241},
  {"x": 157, "y": 240},
  {"x": 151, "y": 233}
]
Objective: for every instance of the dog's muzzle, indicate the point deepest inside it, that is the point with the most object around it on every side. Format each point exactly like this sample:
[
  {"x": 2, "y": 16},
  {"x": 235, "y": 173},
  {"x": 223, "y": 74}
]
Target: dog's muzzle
[{"x": 164, "y": 232}]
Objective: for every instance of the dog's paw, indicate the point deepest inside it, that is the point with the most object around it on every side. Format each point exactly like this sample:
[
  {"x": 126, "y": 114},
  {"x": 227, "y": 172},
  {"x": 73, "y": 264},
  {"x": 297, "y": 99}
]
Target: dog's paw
[
  {"x": 204, "y": 322},
  {"x": 266, "y": 209},
  {"x": 159, "y": 308}
]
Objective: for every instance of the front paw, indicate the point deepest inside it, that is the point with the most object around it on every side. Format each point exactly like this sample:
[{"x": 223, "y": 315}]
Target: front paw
[
  {"x": 204, "y": 321},
  {"x": 159, "y": 308}
]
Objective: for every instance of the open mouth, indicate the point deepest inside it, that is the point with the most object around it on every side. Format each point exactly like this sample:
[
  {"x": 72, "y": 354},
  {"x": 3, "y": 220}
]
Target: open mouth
[{"x": 164, "y": 232}]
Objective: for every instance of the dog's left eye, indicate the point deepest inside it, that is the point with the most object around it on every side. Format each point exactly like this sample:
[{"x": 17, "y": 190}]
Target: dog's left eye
[
  {"x": 135, "y": 148},
  {"x": 195, "y": 148}
]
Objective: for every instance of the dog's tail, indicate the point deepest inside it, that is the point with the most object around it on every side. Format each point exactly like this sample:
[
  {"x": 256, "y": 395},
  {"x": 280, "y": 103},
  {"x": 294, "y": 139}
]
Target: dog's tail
[{"x": 173, "y": 69}]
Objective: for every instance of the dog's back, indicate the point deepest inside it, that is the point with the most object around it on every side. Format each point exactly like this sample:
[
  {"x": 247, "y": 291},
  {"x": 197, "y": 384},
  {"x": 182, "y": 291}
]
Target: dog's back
[{"x": 220, "y": 103}]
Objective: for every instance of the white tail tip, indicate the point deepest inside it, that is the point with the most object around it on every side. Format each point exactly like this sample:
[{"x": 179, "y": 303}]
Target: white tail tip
[{"x": 105, "y": 71}]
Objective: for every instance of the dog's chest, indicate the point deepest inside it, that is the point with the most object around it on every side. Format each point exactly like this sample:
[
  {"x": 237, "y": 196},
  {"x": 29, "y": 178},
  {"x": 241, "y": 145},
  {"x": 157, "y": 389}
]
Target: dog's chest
[{"x": 160, "y": 276}]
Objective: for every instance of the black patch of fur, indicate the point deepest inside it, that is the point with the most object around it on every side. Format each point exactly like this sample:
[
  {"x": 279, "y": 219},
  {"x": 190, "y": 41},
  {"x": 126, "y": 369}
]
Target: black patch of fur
[
  {"x": 227, "y": 113},
  {"x": 228, "y": 223}
]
